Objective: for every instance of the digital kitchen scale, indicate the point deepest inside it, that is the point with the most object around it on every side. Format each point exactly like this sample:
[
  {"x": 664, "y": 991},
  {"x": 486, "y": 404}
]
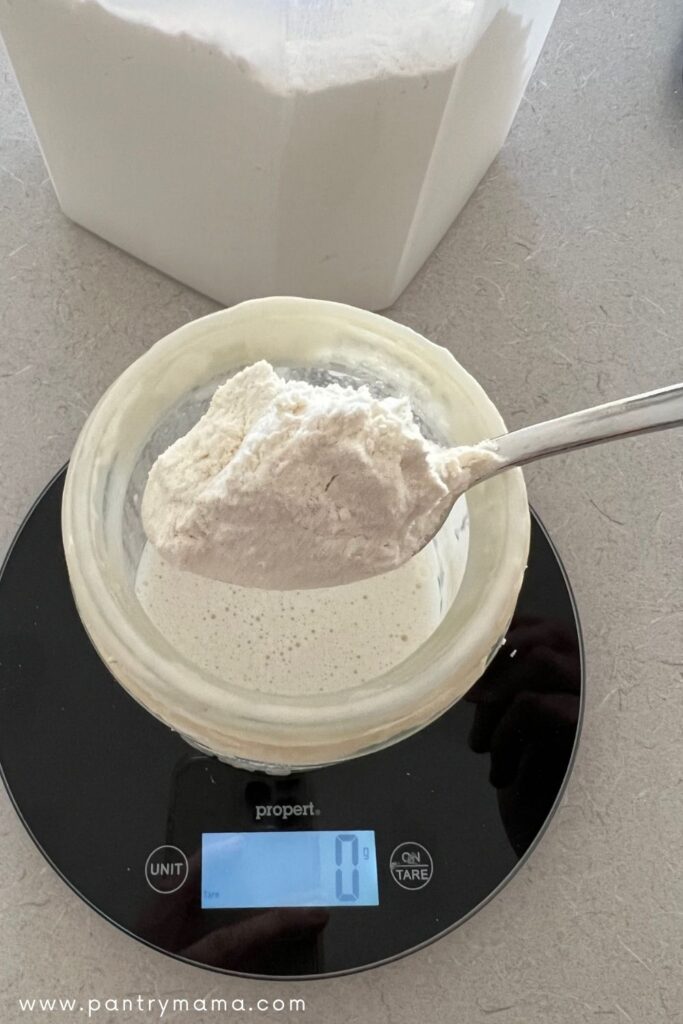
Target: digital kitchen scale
[{"x": 325, "y": 872}]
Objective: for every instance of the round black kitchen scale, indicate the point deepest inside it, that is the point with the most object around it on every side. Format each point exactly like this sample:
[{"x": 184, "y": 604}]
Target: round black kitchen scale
[{"x": 315, "y": 874}]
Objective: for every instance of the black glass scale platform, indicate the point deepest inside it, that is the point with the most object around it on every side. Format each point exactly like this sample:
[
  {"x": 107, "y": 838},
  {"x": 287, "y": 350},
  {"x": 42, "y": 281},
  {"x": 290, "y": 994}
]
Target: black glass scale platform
[{"x": 315, "y": 874}]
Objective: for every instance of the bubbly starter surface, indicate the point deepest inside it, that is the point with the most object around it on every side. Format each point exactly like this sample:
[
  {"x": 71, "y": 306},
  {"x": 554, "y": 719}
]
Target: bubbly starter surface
[{"x": 293, "y": 642}]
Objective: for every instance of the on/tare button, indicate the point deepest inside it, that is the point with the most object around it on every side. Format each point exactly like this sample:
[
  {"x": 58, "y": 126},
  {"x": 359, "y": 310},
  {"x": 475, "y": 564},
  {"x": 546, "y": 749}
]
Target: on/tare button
[
  {"x": 166, "y": 869},
  {"x": 411, "y": 866}
]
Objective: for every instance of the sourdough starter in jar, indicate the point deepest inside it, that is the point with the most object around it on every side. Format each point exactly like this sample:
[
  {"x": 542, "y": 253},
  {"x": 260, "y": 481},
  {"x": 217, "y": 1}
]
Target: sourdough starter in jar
[{"x": 298, "y": 642}]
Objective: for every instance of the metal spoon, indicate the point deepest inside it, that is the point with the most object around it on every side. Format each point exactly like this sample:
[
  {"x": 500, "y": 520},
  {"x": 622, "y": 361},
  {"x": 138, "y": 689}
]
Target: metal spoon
[{"x": 655, "y": 410}]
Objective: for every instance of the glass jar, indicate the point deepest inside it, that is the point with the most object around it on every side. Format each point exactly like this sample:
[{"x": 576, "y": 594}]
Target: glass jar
[
  {"x": 156, "y": 400},
  {"x": 276, "y": 147}
]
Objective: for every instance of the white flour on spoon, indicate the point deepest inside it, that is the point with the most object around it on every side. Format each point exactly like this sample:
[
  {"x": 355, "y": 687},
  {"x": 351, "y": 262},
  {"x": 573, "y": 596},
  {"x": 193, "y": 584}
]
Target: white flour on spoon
[{"x": 283, "y": 485}]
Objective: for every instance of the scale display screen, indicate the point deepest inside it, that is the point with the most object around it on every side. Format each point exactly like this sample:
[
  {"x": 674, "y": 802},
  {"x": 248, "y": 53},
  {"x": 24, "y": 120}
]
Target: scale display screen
[{"x": 289, "y": 869}]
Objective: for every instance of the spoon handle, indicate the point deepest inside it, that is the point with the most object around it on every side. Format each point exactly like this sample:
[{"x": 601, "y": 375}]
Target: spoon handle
[{"x": 655, "y": 410}]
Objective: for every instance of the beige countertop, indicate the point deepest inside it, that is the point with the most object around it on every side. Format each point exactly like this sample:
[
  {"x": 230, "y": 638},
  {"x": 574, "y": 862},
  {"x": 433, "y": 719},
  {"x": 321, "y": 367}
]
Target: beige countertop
[{"x": 560, "y": 286}]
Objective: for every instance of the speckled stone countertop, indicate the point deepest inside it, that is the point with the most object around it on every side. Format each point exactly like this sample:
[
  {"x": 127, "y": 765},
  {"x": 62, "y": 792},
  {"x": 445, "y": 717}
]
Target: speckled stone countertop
[{"x": 560, "y": 286}]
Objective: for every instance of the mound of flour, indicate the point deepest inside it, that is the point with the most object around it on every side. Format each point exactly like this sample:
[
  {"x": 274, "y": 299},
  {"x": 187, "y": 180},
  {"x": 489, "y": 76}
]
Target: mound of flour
[
  {"x": 298, "y": 45},
  {"x": 286, "y": 486}
]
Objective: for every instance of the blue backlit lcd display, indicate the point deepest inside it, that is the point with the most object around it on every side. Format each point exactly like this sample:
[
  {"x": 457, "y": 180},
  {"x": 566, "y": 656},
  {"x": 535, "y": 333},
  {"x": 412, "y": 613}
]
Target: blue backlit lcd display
[{"x": 289, "y": 869}]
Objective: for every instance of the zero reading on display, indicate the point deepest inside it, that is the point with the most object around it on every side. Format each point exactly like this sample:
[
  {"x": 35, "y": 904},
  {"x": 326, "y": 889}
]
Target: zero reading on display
[{"x": 289, "y": 869}]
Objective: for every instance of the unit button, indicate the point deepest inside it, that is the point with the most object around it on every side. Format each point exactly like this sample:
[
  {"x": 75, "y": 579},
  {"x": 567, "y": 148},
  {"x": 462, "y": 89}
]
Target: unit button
[
  {"x": 166, "y": 869},
  {"x": 411, "y": 866}
]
